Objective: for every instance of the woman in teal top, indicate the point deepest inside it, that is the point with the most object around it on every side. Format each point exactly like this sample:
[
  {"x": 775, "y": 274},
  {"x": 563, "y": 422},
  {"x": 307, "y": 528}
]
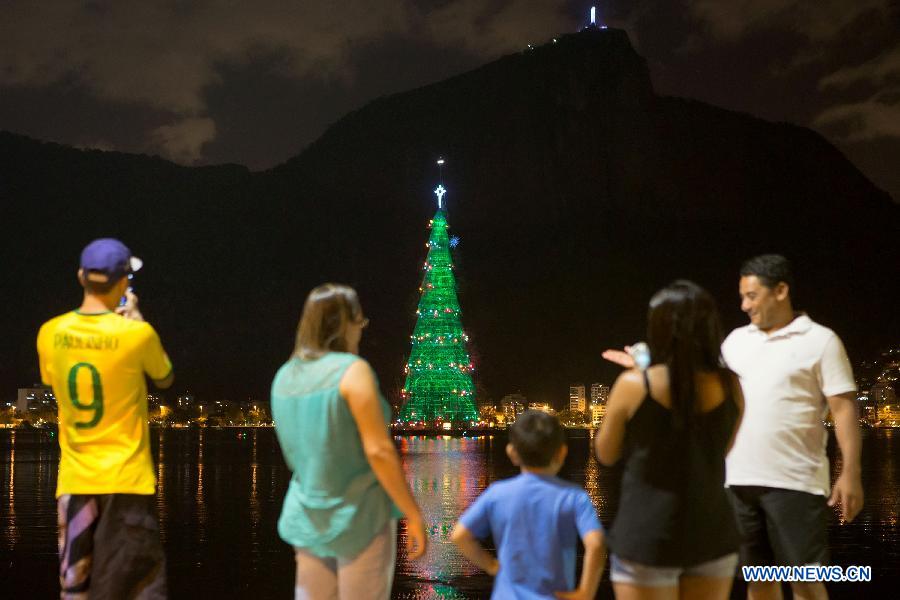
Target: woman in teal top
[{"x": 340, "y": 510}]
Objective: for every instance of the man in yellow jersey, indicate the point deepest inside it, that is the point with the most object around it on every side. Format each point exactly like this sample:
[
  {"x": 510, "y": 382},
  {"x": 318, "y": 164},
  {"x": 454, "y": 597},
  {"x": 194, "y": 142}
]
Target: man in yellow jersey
[{"x": 95, "y": 358}]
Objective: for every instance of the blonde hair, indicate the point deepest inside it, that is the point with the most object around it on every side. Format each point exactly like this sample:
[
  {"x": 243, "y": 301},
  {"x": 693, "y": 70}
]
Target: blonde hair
[{"x": 328, "y": 310}]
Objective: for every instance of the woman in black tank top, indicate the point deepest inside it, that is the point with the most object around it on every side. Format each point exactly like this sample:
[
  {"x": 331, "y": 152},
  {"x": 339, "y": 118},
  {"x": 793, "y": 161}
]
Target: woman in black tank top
[{"x": 672, "y": 425}]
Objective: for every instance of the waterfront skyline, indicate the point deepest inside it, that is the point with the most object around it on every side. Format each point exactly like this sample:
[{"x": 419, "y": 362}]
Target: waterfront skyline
[{"x": 877, "y": 378}]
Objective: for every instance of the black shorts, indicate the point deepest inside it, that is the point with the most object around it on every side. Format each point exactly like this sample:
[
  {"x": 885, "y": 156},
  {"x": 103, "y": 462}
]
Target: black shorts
[
  {"x": 109, "y": 547},
  {"x": 780, "y": 527}
]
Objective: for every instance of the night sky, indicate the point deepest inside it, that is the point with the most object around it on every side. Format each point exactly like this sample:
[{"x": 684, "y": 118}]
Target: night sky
[
  {"x": 202, "y": 83},
  {"x": 253, "y": 83}
]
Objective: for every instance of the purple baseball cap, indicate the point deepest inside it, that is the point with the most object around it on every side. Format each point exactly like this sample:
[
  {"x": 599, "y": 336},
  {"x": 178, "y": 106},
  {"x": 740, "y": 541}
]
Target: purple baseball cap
[{"x": 108, "y": 259}]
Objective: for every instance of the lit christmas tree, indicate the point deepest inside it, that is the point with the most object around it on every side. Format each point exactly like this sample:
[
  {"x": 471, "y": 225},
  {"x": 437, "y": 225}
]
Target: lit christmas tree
[{"x": 439, "y": 384}]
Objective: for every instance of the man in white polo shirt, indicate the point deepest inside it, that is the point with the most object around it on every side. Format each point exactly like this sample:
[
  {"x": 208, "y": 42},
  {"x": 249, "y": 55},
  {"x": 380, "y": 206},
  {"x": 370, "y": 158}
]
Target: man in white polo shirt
[{"x": 792, "y": 371}]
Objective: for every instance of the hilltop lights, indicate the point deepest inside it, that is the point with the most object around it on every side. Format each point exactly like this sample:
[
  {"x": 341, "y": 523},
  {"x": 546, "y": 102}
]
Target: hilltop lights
[{"x": 593, "y": 22}]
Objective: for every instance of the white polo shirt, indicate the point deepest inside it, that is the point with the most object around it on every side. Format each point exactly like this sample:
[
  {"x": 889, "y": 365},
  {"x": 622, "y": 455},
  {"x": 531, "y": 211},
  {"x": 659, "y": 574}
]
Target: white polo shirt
[{"x": 785, "y": 377}]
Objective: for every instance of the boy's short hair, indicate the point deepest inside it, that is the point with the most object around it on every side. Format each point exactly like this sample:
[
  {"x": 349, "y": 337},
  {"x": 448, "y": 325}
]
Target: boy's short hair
[
  {"x": 536, "y": 436},
  {"x": 770, "y": 269}
]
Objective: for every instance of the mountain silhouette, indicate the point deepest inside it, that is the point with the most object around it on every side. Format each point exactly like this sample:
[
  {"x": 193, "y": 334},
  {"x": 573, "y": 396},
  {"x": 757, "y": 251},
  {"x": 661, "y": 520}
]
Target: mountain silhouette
[{"x": 575, "y": 189}]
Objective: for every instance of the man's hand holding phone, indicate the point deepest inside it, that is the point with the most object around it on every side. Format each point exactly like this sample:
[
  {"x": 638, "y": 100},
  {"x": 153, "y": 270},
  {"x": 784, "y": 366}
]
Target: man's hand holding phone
[{"x": 128, "y": 308}]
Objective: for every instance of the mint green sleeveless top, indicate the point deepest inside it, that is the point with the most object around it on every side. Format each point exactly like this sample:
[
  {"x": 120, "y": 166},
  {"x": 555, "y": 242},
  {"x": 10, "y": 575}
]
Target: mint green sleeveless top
[{"x": 334, "y": 505}]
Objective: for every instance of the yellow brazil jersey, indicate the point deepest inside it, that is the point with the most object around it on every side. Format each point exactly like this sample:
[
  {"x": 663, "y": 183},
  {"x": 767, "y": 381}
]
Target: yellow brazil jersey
[{"x": 96, "y": 365}]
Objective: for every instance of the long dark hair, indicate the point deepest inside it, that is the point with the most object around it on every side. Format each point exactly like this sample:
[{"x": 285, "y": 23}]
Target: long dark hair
[
  {"x": 328, "y": 310},
  {"x": 685, "y": 334}
]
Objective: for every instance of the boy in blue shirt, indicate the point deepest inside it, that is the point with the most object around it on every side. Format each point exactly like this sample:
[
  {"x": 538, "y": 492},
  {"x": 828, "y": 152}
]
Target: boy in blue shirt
[{"x": 534, "y": 519}]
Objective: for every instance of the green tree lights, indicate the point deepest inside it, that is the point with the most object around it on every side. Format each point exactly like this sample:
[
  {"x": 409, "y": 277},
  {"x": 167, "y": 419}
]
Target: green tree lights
[{"x": 439, "y": 371}]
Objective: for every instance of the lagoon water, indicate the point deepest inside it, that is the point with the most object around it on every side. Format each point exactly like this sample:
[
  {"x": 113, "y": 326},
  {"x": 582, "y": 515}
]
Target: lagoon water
[{"x": 220, "y": 492}]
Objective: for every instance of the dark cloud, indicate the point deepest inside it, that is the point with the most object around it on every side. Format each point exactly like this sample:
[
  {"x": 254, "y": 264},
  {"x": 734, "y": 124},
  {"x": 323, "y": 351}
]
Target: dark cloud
[
  {"x": 830, "y": 65},
  {"x": 165, "y": 55},
  {"x": 287, "y": 113},
  {"x": 183, "y": 141},
  {"x": 877, "y": 116},
  {"x": 818, "y": 21},
  {"x": 878, "y": 71},
  {"x": 824, "y": 28}
]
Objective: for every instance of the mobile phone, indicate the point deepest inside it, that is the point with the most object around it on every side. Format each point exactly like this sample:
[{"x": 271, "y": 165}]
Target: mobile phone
[
  {"x": 640, "y": 352},
  {"x": 124, "y": 299}
]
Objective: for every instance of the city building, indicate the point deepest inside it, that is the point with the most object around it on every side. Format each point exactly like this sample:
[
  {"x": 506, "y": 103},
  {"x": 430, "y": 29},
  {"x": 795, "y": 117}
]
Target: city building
[
  {"x": 597, "y": 412},
  {"x": 487, "y": 412},
  {"x": 576, "y": 397},
  {"x": 889, "y": 415},
  {"x": 884, "y": 394},
  {"x": 866, "y": 407},
  {"x": 512, "y": 406},
  {"x": 599, "y": 393},
  {"x": 543, "y": 407},
  {"x": 35, "y": 399}
]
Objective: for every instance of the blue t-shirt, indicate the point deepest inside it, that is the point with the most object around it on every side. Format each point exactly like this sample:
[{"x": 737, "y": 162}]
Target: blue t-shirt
[{"x": 535, "y": 521}]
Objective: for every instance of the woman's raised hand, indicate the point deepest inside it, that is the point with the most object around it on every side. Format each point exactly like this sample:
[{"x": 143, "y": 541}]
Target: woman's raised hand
[{"x": 620, "y": 357}]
